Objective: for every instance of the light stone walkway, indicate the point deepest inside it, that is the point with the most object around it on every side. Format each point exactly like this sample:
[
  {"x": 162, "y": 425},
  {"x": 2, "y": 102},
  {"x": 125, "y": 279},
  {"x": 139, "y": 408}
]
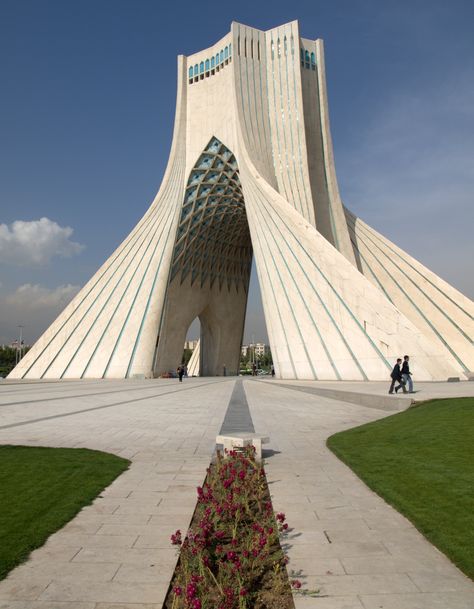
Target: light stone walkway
[
  {"x": 347, "y": 542},
  {"x": 116, "y": 555}
]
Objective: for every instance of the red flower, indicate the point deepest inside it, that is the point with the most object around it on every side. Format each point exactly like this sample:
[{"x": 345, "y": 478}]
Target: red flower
[
  {"x": 191, "y": 590},
  {"x": 176, "y": 538}
]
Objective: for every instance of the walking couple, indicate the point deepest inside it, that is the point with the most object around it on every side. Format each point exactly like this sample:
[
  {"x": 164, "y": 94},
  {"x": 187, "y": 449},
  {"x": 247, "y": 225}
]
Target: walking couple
[{"x": 401, "y": 374}]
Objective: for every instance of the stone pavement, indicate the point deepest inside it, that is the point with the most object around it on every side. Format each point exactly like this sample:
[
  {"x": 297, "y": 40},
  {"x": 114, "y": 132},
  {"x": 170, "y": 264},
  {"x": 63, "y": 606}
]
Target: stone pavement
[{"x": 116, "y": 554}]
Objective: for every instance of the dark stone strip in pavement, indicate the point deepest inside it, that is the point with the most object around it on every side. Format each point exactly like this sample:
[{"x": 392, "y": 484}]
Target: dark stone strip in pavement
[
  {"x": 71, "y": 397},
  {"x": 237, "y": 417},
  {"x": 74, "y": 412}
]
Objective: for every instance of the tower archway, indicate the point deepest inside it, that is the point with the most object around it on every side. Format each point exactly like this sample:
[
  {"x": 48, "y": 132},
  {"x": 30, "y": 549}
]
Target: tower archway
[{"x": 210, "y": 268}]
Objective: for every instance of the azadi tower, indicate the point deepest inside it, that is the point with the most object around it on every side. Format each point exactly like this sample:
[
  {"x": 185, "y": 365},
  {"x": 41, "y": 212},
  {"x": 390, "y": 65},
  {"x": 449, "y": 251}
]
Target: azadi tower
[{"x": 251, "y": 173}]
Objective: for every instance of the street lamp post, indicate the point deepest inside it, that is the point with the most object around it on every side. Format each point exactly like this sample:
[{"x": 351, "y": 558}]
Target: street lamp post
[{"x": 19, "y": 350}]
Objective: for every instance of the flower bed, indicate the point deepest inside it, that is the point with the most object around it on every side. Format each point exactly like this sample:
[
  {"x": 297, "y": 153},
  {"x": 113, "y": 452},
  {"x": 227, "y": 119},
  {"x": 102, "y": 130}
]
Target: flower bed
[{"x": 231, "y": 557}]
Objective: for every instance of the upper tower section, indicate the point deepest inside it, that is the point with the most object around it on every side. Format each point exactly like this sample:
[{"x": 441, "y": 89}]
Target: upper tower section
[{"x": 266, "y": 91}]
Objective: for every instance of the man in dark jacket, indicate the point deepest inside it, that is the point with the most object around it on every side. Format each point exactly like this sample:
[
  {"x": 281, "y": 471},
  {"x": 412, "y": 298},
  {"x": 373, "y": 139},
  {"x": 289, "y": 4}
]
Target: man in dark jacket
[
  {"x": 396, "y": 375},
  {"x": 406, "y": 374}
]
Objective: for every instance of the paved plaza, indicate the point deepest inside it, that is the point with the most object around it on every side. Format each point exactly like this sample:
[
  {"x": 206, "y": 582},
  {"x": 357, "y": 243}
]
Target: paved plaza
[{"x": 345, "y": 541}]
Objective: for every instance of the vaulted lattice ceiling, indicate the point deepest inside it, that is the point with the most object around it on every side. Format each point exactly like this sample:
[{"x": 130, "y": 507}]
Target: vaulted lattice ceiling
[{"x": 213, "y": 238}]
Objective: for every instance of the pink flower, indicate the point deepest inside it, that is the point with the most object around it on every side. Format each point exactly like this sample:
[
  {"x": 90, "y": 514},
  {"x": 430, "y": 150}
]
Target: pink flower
[
  {"x": 176, "y": 538},
  {"x": 177, "y": 590},
  {"x": 191, "y": 590},
  {"x": 243, "y": 592},
  {"x": 296, "y": 584},
  {"x": 196, "y": 604}
]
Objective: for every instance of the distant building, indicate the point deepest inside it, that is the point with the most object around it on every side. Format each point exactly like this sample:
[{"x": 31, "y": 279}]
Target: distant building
[
  {"x": 260, "y": 349},
  {"x": 257, "y": 349},
  {"x": 16, "y": 344},
  {"x": 191, "y": 344}
]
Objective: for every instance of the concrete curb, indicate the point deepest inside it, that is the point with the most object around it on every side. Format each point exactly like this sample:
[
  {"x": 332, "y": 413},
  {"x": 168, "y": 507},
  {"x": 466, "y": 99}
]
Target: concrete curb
[{"x": 369, "y": 400}]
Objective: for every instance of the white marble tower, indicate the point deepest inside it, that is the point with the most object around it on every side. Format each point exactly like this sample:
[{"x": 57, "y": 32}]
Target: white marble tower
[{"x": 251, "y": 173}]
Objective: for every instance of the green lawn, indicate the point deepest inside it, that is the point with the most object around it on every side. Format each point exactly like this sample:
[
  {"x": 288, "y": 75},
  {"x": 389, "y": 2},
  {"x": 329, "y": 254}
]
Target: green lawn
[
  {"x": 41, "y": 489},
  {"x": 421, "y": 461}
]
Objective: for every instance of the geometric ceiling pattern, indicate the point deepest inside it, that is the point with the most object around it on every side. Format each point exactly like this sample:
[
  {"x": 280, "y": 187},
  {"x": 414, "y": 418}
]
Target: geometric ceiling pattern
[{"x": 213, "y": 239}]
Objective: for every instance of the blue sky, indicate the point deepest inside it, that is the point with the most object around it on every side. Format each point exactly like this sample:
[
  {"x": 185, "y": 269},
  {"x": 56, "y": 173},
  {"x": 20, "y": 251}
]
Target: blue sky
[{"x": 87, "y": 104}]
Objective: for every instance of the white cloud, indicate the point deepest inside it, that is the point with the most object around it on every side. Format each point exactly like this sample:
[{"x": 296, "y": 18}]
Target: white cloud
[
  {"x": 31, "y": 297},
  {"x": 35, "y": 243},
  {"x": 33, "y": 306}
]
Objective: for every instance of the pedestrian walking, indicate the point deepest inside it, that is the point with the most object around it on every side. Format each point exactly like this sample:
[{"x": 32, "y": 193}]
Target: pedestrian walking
[
  {"x": 406, "y": 374},
  {"x": 180, "y": 373},
  {"x": 396, "y": 376},
  {"x": 273, "y": 371}
]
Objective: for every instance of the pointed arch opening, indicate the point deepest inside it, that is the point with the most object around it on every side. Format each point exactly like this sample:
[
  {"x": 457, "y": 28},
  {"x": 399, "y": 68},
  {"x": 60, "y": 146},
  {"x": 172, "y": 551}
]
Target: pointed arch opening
[{"x": 210, "y": 267}]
